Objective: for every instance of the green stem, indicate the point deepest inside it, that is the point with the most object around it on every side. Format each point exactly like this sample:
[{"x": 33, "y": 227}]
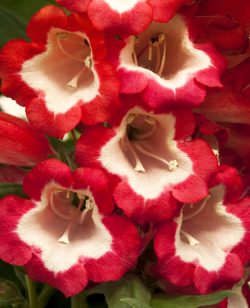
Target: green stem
[
  {"x": 79, "y": 301},
  {"x": 31, "y": 287},
  {"x": 44, "y": 296}
]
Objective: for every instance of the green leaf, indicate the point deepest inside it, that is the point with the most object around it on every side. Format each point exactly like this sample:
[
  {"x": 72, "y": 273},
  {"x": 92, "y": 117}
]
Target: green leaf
[
  {"x": 11, "y": 188},
  {"x": 24, "y": 8},
  {"x": 134, "y": 303},
  {"x": 161, "y": 301},
  {"x": 10, "y": 27},
  {"x": 121, "y": 294},
  {"x": 65, "y": 150},
  {"x": 10, "y": 295},
  {"x": 20, "y": 274}
]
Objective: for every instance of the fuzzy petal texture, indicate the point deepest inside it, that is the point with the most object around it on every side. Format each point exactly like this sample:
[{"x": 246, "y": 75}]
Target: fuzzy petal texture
[
  {"x": 21, "y": 144},
  {"x": 166, "y": 67},
  {"x": 207, "y": 239},
  {"x": 120, "y": 17},
  {"x": 67, "y": 235},
  {"x": 144, "y": 182},
  {"x": 230, "y": 104},
  {"x": 61, "y": 76}
]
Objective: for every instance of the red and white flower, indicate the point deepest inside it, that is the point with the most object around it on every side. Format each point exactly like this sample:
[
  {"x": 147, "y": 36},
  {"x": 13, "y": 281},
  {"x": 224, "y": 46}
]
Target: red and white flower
[
  {"x": 207, "y": 239},
  {"x": 20, "y": 143},
  {"x": 125, "y": 17},
  {"x": 149, "y": 160},
  {"x": 66, "y": 234},
  {"x": 165, "y": 65},
  {"x": 61, "y": 76}
]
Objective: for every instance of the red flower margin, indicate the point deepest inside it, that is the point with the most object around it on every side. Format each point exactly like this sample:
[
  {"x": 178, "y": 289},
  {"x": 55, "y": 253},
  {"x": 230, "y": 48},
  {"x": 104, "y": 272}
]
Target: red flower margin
[
  {"x": 61, "y": 76},
  {"x": 149, "y": 160},
  {"x": 207, "y": 240},
  {"x": 67, "y": 235},
  {"x": 125, "y": 17},
  {"x": 20, "y": 143},
  {"x": 165, "y": 66}
]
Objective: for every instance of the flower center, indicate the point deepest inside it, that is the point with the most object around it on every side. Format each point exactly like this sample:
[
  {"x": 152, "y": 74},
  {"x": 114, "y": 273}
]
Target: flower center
[
  {"x": 141, "y": 127},
  {"x": 153, "y": 54},
  {"x": 190, "y": 211},
  {"x": 65, "y": 40},
  {"x": 79, "y": 206}
]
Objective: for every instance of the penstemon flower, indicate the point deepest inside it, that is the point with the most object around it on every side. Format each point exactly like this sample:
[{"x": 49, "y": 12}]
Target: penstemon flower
[
  {"x": 67, "y": 229},
  {"x": 125, "y": 17},
  {"x": 149, "y": 156},
  {"x": 207, "y": 238},
  {"x": 61, "y": 76},
  {"x": 148, "y": 190},
  {"x": 166, "y": 66}
]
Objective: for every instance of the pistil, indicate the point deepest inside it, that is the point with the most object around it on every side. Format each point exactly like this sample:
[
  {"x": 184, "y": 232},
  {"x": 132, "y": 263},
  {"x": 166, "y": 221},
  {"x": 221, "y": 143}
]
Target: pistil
[
  {"x": 73, "y": 83},
  {"x": 191, "y": 240},
  {"x": 77, "y": 215}
]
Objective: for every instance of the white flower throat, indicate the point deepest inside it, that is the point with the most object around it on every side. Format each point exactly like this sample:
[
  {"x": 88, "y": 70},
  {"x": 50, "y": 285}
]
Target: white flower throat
[
  {"x": 86, "y": 60},
  {"x": 153, "y": 55},
  {"x": 80, "y": 205},
  {"x": 193, "y": 211},
  {"x": 131, "y": 141}
]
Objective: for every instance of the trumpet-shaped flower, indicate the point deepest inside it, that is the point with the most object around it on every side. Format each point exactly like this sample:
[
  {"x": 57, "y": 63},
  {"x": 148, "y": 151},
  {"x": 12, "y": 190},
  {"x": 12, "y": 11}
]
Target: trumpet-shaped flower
[
  {"x": 150, "y": 160},
  {"x": 125, "y": 17},
  {"x": 165, "y": 65},
  {"x": 61, "y": 76},
  {"x": 207, "y": 239},
  {"x": 66, "y": 234}
]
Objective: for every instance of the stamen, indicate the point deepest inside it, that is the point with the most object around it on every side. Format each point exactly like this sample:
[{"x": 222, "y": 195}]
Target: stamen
[
  {"x": 163, "y": 60},
  {"x": 74, "y": 81},
  {"x": 172, "y": 164},
  {"x": 68, "y": 194},
  {"x": 191, "y": 240},
  {"x": 150, "y": 53},
  {"x": 125, "y": 143},
  {"x": 65, "y": 237},
  {"x": 88, "y": 62},
  {"x": 88, "y": 207},
  {"x": 55, "y": 210},
  {"x": 200, "y": 208},
  {"x": 149, "y": 133},
  {"x": 63, "y": 36},
  {"x": 135, "y": 58}
]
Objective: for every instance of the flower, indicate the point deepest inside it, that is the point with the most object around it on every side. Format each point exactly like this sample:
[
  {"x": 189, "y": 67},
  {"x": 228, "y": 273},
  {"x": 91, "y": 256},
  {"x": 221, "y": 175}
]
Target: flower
[
  {"x": 207, "y": 239},
  {"x": 165, "y": 66},
  {"x": 125, "y": 17},
  {"x": 66, "y": 234},
  {"x": 149, "y": 159},
  {"x": 21, "y": 144},
  {"x": 61, "y": 76}
]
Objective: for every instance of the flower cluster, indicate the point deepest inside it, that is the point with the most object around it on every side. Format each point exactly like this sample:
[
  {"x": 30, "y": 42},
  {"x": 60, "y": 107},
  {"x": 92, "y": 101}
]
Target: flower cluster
[{"x": 158, "y": 92}]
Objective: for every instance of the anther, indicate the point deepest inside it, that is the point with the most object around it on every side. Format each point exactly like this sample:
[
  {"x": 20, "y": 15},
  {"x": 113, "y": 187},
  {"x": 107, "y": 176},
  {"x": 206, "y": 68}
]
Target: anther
[
  {"x": 88, "y": 62},
  {"x": 62, "y": 35}
]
